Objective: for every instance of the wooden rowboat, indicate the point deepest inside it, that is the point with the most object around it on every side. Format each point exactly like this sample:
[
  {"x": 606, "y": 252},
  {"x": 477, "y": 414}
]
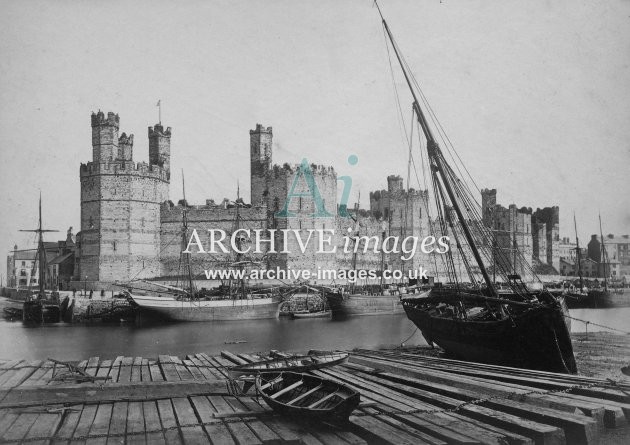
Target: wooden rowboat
[
  {"x": 307, "y": 396},
  {"x": 297, "y": 363}
]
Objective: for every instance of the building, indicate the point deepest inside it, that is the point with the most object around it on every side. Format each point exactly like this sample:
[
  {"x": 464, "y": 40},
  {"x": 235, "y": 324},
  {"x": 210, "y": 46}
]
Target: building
[
  {"x": 131, "y": 230},
  {"x": 60, "y": 259}
]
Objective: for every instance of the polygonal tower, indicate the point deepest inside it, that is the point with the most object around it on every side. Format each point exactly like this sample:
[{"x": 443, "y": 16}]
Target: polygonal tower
[
  {"x": 120, "y": 205},
  {"x": 260, "y": 141},
  {"x": 160, "y": 147}
]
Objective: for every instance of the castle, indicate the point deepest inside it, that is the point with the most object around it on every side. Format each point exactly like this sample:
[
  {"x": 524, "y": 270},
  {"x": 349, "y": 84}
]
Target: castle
[{"x": 131, "y": 230}]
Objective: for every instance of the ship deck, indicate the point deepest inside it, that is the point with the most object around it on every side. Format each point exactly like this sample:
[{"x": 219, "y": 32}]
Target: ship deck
[{"x": 408, "y": 396}]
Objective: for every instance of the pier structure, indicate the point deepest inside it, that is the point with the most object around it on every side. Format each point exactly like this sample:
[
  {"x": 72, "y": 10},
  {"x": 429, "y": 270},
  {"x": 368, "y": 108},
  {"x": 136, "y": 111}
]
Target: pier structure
[{"x": 408, "y": 396}]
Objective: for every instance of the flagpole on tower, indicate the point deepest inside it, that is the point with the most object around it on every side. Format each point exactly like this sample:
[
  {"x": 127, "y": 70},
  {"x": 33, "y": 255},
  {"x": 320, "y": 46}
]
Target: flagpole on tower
[{"x": 159, "y": 105}]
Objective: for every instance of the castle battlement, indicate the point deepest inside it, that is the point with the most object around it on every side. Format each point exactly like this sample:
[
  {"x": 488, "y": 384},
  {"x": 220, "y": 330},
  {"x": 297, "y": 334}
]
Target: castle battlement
[
  {"x": 158, "y": 130},
  {"x": 291, "y": 169},
  {"x": 261, "y": 129},
  {"x": 125, "y": 140},
  {"x": 140, "y": 169},
  {"x": 205, "y": 213},
  {"x": 99, "y": 119}
]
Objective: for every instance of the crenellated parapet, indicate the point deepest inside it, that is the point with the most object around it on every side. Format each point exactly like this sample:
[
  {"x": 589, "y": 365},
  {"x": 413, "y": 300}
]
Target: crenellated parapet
[
  {"x": 287, "y": 170},
  {"x": 129, "y": 168},
  {"x": 100, "y": 119}
]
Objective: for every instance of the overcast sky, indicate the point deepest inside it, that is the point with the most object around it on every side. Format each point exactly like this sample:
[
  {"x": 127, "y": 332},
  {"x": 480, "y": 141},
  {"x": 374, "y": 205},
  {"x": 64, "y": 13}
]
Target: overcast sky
[{"x": 534, "y": 95}]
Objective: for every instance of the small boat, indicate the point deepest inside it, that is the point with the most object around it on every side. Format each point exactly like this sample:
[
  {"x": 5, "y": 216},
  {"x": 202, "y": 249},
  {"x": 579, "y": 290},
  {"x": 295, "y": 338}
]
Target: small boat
[
  {"x": 308, "y": 314},
  {"x": 297, "y": 363},
  {"x": 307, "y": 396},
  {"x": 13, "y": 313}
]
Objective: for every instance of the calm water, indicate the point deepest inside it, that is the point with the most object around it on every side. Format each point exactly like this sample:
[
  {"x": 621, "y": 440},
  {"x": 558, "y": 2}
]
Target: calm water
[{"x": 74, "y": 342}]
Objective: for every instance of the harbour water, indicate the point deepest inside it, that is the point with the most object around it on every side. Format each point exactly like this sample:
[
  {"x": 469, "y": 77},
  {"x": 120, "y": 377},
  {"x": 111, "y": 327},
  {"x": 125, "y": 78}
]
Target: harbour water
[{"x": 75, "y": 342}]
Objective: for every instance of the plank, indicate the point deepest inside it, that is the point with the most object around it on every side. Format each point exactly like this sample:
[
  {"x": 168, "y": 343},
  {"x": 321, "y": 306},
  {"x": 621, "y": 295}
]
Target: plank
[
  {"x": 203, "y": 368},
  {"x": 135, "y": 423},
  {"x": 168, "y": 368},
  {"x": 102, "y": 418},
  {"x": 115, "y": 369},
  {"x": 233, "y": 358},
  {"x": 20, "y": 426},
  {"x": 125, "y": 370},
  {"x": 85, "y": 421},
  {"x": 24, "y": 396},
  {"x": 156, "y": 372},
  {"x": 69, "y": 423},
  {"x": 118, "y": 422},
  {"x": 169, "y": 422},
  {"x": 373, "y": 429},
  {"x": 104, "y": 368},
  {"x": 136, "y": 370},
  {"x": 193, "y": 370},
  {"x": 91, "y": 367},
  {"x": 210, "y": 367},
  {"x": 153, "y": 424},
  {"x": 192, "y": 431},
  {"x": 145, "y": 373}
]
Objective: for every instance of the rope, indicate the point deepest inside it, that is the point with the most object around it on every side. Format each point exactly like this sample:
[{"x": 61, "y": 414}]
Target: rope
[
  {"x": 402, "y": 343},
  {"x": 598, "y": 325}
]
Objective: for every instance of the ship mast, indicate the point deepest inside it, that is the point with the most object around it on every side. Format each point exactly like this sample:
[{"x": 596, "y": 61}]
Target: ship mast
[
  {"x": 437, "y": 160},
  {"x": 40, "y": 256},
  {"x": 577, "y": 254},
  {"x": 603, "y": 254},
  {"x": 185, "y": 240}
]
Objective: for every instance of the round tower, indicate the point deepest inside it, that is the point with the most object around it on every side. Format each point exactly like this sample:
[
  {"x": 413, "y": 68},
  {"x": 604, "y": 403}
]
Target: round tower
[
  {"x": 260, "y": 143},
  {"x": 394, "y": 183}
]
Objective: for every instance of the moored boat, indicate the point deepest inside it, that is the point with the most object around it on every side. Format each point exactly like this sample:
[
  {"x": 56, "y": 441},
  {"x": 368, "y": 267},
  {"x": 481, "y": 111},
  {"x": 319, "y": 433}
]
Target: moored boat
[
  {"x": 307, "y": 397},
  {"x": 489, "y": 313},
  {"x": 296, "y": 363}
]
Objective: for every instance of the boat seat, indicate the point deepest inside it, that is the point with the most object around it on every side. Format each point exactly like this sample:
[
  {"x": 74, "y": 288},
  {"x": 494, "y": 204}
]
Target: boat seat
[
  {"x": 323, "y": 399},
  {"x": 306, "y": 394},
  {"x": 287, "y": 389},
  {"x": 271, "y": 382}
]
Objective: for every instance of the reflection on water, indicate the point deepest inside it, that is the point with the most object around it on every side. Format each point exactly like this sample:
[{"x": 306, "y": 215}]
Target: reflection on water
[{"x": 75, "y": 342}]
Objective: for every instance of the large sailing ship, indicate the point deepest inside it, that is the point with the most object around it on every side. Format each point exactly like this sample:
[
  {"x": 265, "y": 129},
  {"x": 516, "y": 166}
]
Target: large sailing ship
[
  {"x": 232, "y": 302},
  {"x": 472, "y": 316}
]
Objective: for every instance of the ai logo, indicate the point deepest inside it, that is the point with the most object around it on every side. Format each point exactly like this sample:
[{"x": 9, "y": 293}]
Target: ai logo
[{"x": 305, "y": 174}]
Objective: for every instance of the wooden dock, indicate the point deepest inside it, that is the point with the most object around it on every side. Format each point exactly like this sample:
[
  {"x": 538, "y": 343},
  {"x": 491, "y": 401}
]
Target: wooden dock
[{"x": 408, "y": 396}]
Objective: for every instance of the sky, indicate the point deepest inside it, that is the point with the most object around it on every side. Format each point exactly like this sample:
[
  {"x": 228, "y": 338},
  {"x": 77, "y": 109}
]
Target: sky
[{"x": 533, "y": 95}]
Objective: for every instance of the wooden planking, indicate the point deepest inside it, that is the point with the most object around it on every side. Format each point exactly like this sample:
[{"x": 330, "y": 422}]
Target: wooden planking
[
  {"x": 125, "y": 370},
  {"x": 115, "y": 369},
  {"x": 135, "y": 424},
  {"x": 172, "y": 434},
  {"x": 156, "y": 372},
  {"x": 153, "y": 424},
  {"x": 145, "y": 372},
  {"x": 191, "y": 429},
  {"x": 168, "y": 368},
  {"x": 136, "y": 370}
]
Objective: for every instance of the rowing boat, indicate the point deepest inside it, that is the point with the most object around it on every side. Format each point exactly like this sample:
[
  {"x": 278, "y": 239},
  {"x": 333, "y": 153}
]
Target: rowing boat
[
  {"x": 297, "y": 363},
  {"x": 307, "y": 396}
]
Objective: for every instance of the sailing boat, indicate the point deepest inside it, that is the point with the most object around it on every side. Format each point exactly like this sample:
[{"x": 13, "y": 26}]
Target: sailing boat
[
  {"x": 41, "y": 307},
  {"x": 481, "y": 321},
  {"x": 601, "y": 297},
  {"x": 187, "y": 304}
]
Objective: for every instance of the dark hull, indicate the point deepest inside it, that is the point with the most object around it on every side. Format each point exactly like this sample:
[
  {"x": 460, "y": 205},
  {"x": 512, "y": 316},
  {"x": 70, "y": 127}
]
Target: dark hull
[
  {"x": 599, "y": 299},
  {"x": 536, "y": 338}
]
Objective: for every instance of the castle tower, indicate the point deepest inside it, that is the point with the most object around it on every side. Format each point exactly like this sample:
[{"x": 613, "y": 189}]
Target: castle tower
[
  {"x": 488, "y": 203},
  {"x": 120, "y": 206},
  {"x": 160, "y": 147},
  {"x": 104, "y": 136},
  {"x": 260, "y": 141},
  {"x": 125, "y": 147},
  {"x": 394, "y": 183}
]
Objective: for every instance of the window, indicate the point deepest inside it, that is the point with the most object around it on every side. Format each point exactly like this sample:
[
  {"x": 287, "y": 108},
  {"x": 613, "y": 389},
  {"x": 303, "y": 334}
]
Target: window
[{"x": 23, "y": 263}]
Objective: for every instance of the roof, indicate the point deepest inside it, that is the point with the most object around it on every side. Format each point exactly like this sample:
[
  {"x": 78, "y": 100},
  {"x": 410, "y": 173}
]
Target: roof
[{"x": 60, "y": 259}]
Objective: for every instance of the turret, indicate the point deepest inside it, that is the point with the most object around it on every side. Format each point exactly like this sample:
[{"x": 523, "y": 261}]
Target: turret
[
  {"x": 394, "y": 183},
  {"x": 160, "y": 147},
  {"x": 260, "y": 141},
  {"x": 104, "y": 136},
  {"x": 125, "y": 147}
]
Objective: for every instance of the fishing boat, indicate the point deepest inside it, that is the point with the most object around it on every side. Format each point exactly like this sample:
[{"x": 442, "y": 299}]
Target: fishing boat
[
  {"x": 175, "y": 303},
  {"x": 296, "y": 363},
  {"x": 307, "y": 397},
  {"x": 298, "y": 315},
  {"x": 474, "y": 317}
]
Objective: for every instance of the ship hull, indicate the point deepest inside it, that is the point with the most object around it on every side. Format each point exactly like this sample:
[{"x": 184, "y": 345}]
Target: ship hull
[
  {"x": 343, "y": 306},
  {"x": 206, "y": 310},
  {"x": 536, "y": 338}
]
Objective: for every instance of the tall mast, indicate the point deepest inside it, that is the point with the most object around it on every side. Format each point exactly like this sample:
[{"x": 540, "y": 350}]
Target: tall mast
[
  {"x": 436, "y": 158},
  {"x": 603, "y": 252},
  {"x": 577, "y": 254},
  {"x": 40, "y": 256},
  {"x": 185, "y": 238}
]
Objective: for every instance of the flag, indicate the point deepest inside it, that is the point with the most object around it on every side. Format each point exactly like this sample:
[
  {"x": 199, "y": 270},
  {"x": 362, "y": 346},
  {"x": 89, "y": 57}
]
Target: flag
[{"x": 158, "y": 104}]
